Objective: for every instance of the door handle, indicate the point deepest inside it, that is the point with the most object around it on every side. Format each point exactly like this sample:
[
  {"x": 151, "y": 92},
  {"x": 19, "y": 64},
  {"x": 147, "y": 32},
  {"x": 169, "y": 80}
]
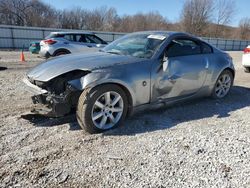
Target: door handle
[{"x": 207, "y": 64}]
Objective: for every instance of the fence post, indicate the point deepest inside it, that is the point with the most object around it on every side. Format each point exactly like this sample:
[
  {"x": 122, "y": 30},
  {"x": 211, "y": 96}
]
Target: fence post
[
  {"x": 240, "y": 45},
  {"x": 217, "y": 43},
  {"x": 233, "y": 45},
  {"x": 43, "y": 34},
  {"x": 12, "y": 38},
  {"x": 113, "y": 37},
  {"x": 225, "y": 45}
]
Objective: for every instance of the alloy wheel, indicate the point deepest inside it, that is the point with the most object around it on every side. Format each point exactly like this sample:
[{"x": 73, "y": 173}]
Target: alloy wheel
[
  {"x": 107, "y": 110},
  {"x": 223, "y": 85}
]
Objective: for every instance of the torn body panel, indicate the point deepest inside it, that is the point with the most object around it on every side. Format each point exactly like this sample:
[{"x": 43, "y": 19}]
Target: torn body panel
[
  {"x": 57, "y": 95},
  {"x": 182, "y": 76},
  {"x": 57, "y": 105}
]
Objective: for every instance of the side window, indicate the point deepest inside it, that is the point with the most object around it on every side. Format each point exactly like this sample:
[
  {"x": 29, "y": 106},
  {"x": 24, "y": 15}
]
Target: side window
[
  {"x": 69, "y": 37},
  {"x": 88, "y": 40},
  {"x": 206, "y": 49},
  {"x": 80, "y": 38},
  {"x": 93, "y": 39},
  {"x": 183, "y": 47}
]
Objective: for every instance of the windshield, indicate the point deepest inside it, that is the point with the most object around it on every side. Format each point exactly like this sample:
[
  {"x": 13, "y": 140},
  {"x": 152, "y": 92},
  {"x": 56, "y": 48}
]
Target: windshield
[{"x": 136, "y": 45}]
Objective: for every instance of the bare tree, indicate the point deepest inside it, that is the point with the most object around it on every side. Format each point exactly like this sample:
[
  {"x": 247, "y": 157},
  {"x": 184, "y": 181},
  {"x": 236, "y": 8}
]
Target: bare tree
[
  {"x": 26, "y": 13},
  {"x": 244, "y": 27},
  {"x": 224, "y": 11},
  {"x": 72, "y": 19},
  {"x": 140, "y": 22},
  {"x": 41, "y": 14},
  {"x": 196, "y": 16},
  {"x": 15, "y": 11},
  {"x": 102, "y": 18}
]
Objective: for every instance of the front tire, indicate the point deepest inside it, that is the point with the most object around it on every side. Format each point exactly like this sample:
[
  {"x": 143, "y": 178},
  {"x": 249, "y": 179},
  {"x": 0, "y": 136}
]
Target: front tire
[
  {"x": 102, "y": 108},
  {"x": 223, "y": 85}
]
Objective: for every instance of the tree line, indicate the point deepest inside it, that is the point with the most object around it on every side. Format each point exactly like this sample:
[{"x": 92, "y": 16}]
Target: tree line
[{"x": 209, "y": 18}]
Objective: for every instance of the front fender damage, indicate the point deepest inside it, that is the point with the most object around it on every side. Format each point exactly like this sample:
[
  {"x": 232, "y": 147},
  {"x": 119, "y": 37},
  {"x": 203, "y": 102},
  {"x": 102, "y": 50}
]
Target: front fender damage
[
  {"x": 90, "y": 80},
  {"x": 61, "y": 102},
  {"x": 64, "y": 92},
  {"x": 61, "y": 97}
]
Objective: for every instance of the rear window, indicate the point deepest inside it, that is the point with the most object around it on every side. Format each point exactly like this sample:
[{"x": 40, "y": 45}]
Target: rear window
[
  {"x": 94, "y": 39},
  {"x": 206, "y": 49}
]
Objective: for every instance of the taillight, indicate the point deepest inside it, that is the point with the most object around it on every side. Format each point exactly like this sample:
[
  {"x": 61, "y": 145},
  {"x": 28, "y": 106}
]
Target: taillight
[
  {"x": 247, "y": 50},
  {"x": 49, "y": 41}
]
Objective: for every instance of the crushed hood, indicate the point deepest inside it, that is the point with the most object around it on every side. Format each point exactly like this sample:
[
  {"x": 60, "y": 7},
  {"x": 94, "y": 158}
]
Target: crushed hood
[{"x": 60, "y": 65}]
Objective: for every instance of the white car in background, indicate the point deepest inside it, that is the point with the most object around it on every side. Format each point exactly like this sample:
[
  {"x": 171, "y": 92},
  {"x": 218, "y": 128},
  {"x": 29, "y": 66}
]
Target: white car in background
[
  {"x": 61, "y": 43},
  {"x": 246, "y": 59}
]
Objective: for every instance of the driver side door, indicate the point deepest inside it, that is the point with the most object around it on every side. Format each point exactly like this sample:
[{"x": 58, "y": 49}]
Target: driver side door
[{"x": 181, "y": 73}]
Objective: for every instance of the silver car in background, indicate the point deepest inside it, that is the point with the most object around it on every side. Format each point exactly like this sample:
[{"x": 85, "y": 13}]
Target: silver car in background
[
  {"x": 137, "y": 71},
  {"x": 61, "y": 43}
]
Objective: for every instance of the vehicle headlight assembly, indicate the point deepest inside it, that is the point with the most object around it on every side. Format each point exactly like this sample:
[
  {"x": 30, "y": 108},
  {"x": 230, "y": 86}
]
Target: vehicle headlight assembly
[{"x": 39, "y": 83}]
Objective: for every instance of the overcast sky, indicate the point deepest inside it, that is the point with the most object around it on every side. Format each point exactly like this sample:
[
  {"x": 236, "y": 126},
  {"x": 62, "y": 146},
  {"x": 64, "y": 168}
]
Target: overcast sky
[{"x": 168, "y": 8}]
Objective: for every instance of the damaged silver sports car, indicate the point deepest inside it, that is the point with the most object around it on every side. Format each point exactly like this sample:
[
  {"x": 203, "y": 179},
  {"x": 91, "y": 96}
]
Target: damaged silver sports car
[{"x": 138, "y": 70}]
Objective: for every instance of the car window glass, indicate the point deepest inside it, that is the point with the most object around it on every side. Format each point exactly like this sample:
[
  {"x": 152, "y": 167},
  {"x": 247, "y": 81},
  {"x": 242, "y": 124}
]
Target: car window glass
[
  {"x": 183, "y": 47},
  {"x": 206, "y": 49},
  {"x": 69, "y": 37},
  {"x": 93, "y": 39},
  {"x": 80, "y": 38}
]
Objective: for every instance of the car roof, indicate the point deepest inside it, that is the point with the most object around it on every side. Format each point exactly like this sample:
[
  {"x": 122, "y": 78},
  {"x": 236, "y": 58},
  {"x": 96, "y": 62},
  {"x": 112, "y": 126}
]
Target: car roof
[
  {"x": 72, "y": 32},
  {"x": 164, "y": 33}
]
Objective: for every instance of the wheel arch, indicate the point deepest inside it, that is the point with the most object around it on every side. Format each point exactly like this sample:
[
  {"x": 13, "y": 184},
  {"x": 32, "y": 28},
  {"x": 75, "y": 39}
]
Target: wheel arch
[
  {"x": 231, "y": 70},
  {"x": 61, "y": 50},
  {"x": 223, "y": 69},
  {"x": 226, "y": 68}
]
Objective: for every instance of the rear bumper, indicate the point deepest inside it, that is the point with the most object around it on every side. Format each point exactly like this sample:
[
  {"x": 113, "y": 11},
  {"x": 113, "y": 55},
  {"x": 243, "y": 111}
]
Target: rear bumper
[
  {"x": 246, "y": 60},
  {"x": 44, "y": 54}
]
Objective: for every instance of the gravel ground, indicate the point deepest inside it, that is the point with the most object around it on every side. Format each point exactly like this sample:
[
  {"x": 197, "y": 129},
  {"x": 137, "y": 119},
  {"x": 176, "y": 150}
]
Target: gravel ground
[{"x": 203, "y": 143}]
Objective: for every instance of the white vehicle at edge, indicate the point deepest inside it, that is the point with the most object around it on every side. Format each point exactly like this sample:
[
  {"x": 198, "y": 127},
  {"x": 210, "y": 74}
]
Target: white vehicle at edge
[{"x": 246, "y": 59}]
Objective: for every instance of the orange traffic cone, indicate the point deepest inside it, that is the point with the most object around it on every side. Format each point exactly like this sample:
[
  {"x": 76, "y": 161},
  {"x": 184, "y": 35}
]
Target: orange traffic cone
[{"x": 22, "y": 59}]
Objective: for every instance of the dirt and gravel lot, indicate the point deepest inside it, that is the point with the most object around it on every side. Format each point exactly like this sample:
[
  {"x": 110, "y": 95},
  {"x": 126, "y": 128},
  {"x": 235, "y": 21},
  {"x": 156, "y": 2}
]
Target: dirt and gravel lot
[{"x": 203, "y": 143}]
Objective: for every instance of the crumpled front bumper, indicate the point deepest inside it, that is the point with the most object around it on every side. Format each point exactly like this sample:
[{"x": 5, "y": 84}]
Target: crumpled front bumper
[
  {"x": 33, "y": 88},
  {"x": 52, "y": 105}
]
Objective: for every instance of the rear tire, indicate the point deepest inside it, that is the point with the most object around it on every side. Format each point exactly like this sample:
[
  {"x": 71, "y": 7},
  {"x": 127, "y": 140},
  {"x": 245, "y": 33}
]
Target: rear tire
[
  {"x": 102, "y": 108},
  {"x": 61, "y": 53},
  {"x": 223, "y": 85}
]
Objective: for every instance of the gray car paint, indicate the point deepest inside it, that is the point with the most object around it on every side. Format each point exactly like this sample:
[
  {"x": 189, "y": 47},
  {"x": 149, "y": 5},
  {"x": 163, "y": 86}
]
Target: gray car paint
[{"x": 145, "y": 79}]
